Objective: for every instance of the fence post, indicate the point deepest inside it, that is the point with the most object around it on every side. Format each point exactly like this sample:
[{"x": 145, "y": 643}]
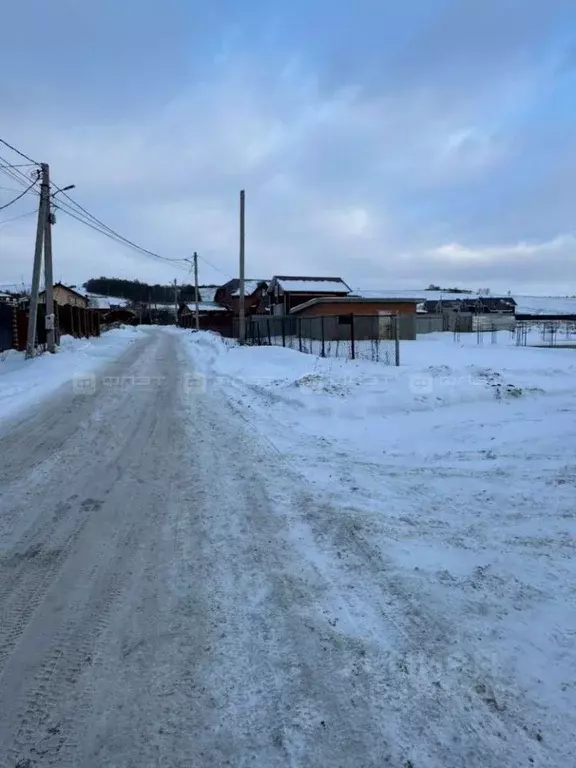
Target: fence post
[
  {"x": 352, "y": 339},
  {"x": 299, "y": 321},
  {"x": 323, "y": 337},
  {"x": 397, "y": 337},
  {"x": 283, "y": 332}
]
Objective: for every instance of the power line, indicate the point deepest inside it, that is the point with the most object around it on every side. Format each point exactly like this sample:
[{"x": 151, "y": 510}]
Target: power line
[
  {"x": 118, "y": 238},
  {"x": 20, "y": 216},
  {"x": 13, "y": 172},
  {"x": 20, "y": 165},
  {"x": 209, "y": 263},
  {"x": 82, "y": 215},
  {"x": 6, "y": 205},
  {"x": 3, "y": 141},
  {"x": 113, "y": 232},
  {"x": 99, "y": 226}
]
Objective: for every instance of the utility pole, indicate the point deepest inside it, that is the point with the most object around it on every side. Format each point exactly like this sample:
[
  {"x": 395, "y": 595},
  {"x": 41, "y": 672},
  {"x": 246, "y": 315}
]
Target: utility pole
[
  {"x": 43, "y": 209},
  {"x": 196, "y": 309},
  {"x": 241, "y": 306},
  {"x": 48, "y": 273},
  {"x": 175, "y": 302}
]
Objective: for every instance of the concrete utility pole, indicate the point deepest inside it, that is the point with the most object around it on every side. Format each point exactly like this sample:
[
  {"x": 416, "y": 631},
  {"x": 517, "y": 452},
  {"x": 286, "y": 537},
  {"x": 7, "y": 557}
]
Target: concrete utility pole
[
  {"x": 241, "y": 291},
  {"x": 48, "y": 272},
  {"x": 196, "y": 308},
  {"x": 49, "y": 285},
  {"x": 175, "y": 302},
  {"x": 43, "y": 209}
]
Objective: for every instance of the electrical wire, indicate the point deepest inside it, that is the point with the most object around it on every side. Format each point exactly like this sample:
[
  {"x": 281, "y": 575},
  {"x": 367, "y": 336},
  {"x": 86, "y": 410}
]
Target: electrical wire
[
  {"x": 21, "y": 165},
  {"x": 100, "y": 223},
  {"x": 209, "y": 263},
  {"x": 9, "y": 189},
  {"x": 3, "y": 141},
  {"x": 113, "y": 232},
  {"x": 99, "y": 226},
  {"x": 82, "y": 215},
  {"x": 13, "y": 172},
  {"x": 20, "y": 216},
  {"x": 118, "y": 238},
  {"x": 6, "y": 205}
]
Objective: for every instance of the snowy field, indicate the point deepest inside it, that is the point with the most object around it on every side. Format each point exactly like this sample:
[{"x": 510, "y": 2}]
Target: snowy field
[
  {"x": 530, "y": 305},
  {"x": 458, "y": 470},
  {"x": 24, "y": 383}
]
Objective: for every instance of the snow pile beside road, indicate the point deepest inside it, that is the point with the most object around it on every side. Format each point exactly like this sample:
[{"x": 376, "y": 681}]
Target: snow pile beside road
[
  {"x": 436, "y": 371},
  {"x": 27, "y": 382}
]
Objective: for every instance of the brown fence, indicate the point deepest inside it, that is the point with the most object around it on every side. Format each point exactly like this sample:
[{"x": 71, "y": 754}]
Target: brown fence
[
  {"x": 73, "y": 321},
  {"x": 77, "y": 321},
  {"x": 7, "y": 326}
]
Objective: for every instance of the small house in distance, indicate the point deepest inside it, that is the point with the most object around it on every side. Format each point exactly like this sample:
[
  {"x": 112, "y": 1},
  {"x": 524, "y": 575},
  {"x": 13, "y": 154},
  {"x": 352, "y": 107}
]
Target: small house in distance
[
  {"x": 286, "y": 292},
  {"x": 63, "y": 295},
  {"x": 371, "y": 316}
]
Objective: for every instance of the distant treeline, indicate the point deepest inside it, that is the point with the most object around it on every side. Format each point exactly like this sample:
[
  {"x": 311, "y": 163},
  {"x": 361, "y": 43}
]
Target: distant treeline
[
  {"x": 433, "y": 287},
  {"x": 134, "y": 290}
]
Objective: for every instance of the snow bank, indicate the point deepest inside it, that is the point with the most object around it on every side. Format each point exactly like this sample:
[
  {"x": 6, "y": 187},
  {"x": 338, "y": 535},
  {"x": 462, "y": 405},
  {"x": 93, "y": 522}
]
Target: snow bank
[
  {"x": 435, "y": 371},
  {"x": 27, "y": 382},
  {"x": 457, "y": 470}
]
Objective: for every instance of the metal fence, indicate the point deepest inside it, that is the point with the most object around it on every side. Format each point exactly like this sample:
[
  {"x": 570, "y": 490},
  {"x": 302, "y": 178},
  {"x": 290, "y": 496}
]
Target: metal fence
[
  {"x": 364, "y": 337},
  {"x": 549, "y": 333}
]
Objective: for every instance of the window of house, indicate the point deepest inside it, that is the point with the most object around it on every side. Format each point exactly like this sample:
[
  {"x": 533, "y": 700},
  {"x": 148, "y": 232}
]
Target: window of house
[{"x": 344, "y": 319}]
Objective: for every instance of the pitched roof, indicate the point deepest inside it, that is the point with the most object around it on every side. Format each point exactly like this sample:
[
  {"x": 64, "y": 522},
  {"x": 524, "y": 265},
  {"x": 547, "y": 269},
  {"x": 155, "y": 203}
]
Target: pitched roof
[
  {"x": 207, "y": 292},
  {"x": 206, "y": 306},
  {"x": 303, "y": 284},
  {"x": 106, "y": 302},
  {"x": 67, "y": 288},
  {"x": 251, "y": 285}
]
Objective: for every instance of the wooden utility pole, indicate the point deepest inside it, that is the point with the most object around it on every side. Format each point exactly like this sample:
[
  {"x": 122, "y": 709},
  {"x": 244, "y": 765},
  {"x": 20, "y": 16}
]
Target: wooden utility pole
[
  {"x": 43, "y": 209},
  {"x": 48, "y": 273},
  {"x": 241, "y": 291},
  {"x": 196, "y": 299}
]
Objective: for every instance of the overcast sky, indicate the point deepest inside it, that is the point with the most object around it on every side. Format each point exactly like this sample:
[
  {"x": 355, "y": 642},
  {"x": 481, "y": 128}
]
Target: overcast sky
[{"x": 393, "y": 144}]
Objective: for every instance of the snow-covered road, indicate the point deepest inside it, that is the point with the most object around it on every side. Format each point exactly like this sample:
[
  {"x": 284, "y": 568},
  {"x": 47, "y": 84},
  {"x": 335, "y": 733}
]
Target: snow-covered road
[{"x": 174, "y": 593}]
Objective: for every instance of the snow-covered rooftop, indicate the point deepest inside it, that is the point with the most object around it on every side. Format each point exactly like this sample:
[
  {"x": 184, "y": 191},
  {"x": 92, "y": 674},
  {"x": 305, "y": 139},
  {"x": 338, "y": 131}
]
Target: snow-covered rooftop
[
  {"x": 106, "y": 302},
  {"x": 313, "y": 285},
  {"x": 207, "y": 292},
  {"x": 206, "y": 306},
  {"x": 249, "y": 287}
]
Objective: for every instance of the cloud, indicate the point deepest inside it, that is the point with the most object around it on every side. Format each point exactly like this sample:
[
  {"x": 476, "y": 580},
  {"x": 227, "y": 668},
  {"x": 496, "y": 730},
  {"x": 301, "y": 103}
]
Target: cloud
[{"x": 392, "y": 171}]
